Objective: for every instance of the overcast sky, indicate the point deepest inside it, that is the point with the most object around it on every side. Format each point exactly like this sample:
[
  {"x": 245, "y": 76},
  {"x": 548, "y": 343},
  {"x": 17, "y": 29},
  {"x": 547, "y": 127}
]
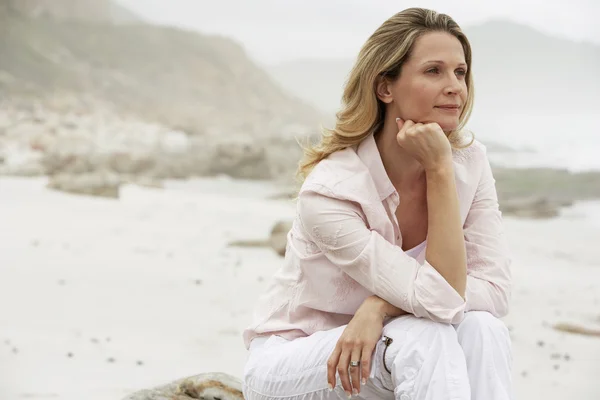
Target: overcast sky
[{"x": 281, "y": 30}]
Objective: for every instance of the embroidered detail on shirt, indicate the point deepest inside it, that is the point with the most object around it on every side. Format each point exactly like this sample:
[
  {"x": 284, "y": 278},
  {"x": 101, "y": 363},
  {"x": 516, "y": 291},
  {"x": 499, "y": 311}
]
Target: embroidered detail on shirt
[
  {"x": 344, "y": 285},
  {"x": 310, "y": 247},
  {"x": 329, "y": 242},
  {"x": 462, "y": 155},
  {"x": 475, "y": 263}
]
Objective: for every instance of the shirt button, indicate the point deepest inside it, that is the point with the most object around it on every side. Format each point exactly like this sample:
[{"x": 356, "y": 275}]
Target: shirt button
[{"x": 405, "y": 397}]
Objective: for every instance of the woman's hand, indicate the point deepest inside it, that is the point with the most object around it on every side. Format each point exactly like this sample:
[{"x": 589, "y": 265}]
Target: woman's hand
[
  {"x": 427, "y": 143},
  {"x": 357, "y": 344}
]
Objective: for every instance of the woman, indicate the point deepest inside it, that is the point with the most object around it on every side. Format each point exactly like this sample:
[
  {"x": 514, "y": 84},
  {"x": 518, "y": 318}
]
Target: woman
[{"x": 396, "y": 269}]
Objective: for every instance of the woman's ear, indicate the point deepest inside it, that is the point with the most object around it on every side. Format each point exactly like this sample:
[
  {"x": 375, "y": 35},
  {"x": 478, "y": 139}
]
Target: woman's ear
[{"x": 382, "y": 89}]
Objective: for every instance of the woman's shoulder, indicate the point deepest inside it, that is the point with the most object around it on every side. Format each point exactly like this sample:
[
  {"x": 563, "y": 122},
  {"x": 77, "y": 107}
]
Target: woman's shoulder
[{"x": 342, "y": 175}]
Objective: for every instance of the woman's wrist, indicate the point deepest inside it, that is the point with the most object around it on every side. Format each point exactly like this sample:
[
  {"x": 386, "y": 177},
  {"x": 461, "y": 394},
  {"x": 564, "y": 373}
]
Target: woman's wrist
[
  {"x": 441, "y": 168},
  {"x": 381, "y": 308},
  {"x": 372, "y": 307}
]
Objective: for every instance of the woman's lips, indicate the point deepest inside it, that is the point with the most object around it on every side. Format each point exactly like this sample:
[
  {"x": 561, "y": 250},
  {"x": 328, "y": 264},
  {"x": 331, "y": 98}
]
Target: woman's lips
[{"x": 449, "y": 109}]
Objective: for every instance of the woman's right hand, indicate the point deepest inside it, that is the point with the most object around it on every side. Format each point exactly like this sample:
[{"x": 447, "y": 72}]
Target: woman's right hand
[
  {"x": 356, "y": 343},
  {"x": 427, "y": 143}
]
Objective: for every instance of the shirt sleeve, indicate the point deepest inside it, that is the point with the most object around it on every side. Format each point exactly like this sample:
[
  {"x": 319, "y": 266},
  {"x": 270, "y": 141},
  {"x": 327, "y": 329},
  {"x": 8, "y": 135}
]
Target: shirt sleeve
[
  {"x": 488, "y": 260},
  {"x": 339, "y": 229}
]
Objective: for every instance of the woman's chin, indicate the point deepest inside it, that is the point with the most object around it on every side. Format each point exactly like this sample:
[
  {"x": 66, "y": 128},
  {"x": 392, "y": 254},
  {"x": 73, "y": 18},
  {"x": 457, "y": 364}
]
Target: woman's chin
[{"x": 448, "y": 126}]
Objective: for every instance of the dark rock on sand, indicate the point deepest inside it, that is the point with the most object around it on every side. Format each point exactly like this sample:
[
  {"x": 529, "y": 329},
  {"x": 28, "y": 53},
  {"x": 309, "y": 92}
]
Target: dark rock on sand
[{"x": 208, "y": 386}]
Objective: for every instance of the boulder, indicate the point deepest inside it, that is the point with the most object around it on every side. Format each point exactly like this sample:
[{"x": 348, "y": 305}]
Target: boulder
[
  {"x": 103, "y": 184},
  {"x": 535, "y": 208},
  {"x": 208, "y": 386},
  {"x": 277, "y": 239}
]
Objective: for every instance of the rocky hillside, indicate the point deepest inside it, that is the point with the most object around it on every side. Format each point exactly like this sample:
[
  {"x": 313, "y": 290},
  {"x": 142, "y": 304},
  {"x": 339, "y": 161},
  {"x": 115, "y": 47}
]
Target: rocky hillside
[
  {"x": 102, "y": 11},
  {"x": 182, "y": 79},
  {"x": 83, "y": 93}
]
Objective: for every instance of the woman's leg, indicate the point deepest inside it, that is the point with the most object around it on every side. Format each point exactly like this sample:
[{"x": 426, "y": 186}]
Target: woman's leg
[
  {"x": 486, "y": 344},
  {"x": 425, "y": 360},
  {"x": 297, "y": 369}
]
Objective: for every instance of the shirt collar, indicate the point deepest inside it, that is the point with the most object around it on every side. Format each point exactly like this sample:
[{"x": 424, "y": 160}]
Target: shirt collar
[{"x": 369, "y": 154}]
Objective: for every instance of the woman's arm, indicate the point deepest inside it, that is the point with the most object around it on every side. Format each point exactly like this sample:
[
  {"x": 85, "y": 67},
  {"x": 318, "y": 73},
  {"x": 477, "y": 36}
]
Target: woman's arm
[
  {"x": 445, "y": 241},
  {"x": 339, "y": 229},
  {"x": 488, "y": 280}
]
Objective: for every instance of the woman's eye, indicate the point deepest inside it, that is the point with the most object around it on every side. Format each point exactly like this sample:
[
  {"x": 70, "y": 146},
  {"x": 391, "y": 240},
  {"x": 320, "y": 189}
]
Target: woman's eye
[
  {"x": 461, "y": 72},
  {"x": 433, "y": 70}
]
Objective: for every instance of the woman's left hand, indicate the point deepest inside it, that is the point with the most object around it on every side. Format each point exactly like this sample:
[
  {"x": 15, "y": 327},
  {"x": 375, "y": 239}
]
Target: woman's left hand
[{"x": 357, "y": 344}]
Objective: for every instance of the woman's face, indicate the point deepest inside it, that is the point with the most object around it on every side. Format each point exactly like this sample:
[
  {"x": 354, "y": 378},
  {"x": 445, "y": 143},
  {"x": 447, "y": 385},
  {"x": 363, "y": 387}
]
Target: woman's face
[{"x": 432, "y": 84}]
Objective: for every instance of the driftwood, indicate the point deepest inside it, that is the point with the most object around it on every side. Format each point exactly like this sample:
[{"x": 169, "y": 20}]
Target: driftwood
[{"x": 580, "y": 330}]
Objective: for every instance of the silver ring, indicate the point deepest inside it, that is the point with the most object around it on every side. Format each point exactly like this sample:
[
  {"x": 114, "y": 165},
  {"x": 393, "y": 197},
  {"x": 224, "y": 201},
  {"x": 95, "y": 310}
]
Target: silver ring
[{"x": 354, "y": 363}]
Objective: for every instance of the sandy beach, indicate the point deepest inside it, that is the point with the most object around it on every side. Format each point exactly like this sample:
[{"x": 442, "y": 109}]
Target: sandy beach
[{"x": 102, "y": 297}]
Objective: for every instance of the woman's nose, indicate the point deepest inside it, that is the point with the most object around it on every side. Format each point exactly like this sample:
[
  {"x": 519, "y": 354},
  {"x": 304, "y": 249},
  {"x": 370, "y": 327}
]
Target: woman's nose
[{"x": 454, "y": 86}]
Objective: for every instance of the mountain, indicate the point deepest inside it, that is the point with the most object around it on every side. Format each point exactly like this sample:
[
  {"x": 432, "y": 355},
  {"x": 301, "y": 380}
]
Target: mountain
[
  {"x": 80, "y": 10},
  {"x": 515, "y": 68},
  {"x": 318, "y": 81},
  {"x": 189, "y": 81}
]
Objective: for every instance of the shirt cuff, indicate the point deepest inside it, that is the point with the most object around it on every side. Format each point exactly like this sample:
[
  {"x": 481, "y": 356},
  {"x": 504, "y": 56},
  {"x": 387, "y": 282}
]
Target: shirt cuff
[{"x": 435, "y": 298}]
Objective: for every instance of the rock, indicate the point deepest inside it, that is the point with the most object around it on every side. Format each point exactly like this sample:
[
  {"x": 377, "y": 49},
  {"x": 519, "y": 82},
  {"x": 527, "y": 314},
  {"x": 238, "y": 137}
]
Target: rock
[
  {"x": 102, "y": 184},
  {"x": 531, "y": 207},
  {"x": 245, "y": 160},
  {"x": 278, "y": 238},
  {"x": 131, "y": 163},
  {"x": 143, "y": 181},
  {"x": 208, "y": 386}
]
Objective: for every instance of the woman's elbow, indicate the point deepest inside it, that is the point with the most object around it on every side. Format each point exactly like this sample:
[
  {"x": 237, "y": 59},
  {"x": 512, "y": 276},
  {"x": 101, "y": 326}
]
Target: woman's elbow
[{"x": 442, "y": 309}]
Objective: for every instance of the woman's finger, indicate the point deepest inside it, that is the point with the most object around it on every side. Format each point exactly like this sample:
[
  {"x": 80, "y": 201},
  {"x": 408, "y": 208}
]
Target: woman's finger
[
  {"x": 342, "y": 369},
  {"x": 332, "y": 365},
  {"x": 365, "y": 362},
  {"x": 355, "y": 368},
  {"x": 400, "y": 123}
]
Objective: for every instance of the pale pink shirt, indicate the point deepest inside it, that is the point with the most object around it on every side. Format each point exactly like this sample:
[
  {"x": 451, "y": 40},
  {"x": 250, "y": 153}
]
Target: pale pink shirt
[{"x": 345, "y": 245}]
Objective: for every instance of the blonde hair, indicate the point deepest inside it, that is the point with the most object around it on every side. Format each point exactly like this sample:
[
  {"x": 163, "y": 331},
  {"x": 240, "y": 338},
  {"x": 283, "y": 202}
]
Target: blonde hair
[{"x": 382, "y": 56}]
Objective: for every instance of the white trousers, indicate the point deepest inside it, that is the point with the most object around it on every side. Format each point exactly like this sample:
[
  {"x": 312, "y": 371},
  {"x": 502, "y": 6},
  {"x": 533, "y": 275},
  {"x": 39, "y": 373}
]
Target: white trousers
[{"x": 427, "y": 361}]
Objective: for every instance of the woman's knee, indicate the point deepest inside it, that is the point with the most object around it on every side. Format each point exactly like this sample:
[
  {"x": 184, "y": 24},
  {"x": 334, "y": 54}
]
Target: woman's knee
[
  {"x": 418, "y": 338},
  {"x": 481, "y": 323},
  {"x": 419, "y": 346},
  {"x": 419, "y": 328}
]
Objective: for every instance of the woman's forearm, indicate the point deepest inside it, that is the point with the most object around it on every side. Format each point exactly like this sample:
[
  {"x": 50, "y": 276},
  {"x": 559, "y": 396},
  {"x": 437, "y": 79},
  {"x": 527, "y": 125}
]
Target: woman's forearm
[{"x": 445, "y": 239}]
